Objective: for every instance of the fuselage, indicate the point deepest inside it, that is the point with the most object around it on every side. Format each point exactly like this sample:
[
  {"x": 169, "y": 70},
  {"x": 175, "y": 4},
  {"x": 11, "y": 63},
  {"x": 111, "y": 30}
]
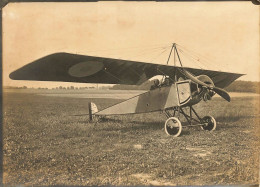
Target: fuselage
[{"x": 182, "y": 93}]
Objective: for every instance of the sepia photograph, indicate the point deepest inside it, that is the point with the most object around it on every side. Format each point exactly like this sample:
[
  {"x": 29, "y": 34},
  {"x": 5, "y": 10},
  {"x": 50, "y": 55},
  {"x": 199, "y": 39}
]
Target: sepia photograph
[{"x": 124, "y": 93}]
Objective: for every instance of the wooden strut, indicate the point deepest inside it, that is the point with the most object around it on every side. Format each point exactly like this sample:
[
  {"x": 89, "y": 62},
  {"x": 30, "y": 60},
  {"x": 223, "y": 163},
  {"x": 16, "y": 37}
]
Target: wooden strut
[
  {"x": 179, "y": 109},
  {"x": 173, "y": 46},
  {"x": 189, "y": 117},
  {"x": 90, "y": 112}
]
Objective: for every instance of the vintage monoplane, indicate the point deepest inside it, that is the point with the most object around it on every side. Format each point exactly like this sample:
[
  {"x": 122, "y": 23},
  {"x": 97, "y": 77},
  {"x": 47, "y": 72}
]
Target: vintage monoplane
[{"x": 181, "y": 86}]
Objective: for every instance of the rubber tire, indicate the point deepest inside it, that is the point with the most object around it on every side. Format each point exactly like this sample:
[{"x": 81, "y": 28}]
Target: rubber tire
[
  {"x": 174, "y": 134},
  {"x": 210, "y": 127}
]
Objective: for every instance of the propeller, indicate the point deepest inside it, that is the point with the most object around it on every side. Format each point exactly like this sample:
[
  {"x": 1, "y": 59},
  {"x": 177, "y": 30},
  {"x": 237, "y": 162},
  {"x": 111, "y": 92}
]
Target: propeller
[{"x": 221, "y": 92}]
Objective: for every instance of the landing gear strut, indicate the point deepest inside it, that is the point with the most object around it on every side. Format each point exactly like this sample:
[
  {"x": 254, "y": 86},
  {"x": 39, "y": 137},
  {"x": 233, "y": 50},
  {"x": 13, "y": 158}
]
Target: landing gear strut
[{"x": 173, "y": 125}]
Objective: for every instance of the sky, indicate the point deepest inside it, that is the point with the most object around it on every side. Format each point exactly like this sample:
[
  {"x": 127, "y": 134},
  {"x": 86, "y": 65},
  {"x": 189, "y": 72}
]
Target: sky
[{"x": 217, "y": 35}]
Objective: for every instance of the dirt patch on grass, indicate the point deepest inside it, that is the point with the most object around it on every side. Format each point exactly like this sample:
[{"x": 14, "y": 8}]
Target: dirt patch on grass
[{"x": 148, "y": 180}]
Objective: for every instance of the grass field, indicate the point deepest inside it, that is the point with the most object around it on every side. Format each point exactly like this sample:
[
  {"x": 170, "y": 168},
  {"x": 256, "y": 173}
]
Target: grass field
[{"x": 45, "y": 144}]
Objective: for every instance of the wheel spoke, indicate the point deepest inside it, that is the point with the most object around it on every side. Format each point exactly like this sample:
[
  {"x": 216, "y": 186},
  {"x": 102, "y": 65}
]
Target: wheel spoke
[
  {"x": 173, "y": 126},
  {"x": 210, "y": 123}
]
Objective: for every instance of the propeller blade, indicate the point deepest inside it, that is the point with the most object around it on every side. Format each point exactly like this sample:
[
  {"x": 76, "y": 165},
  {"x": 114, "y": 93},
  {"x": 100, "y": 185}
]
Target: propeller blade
[
  {"x": 222, "y": 93},
  {"x": 193, "y": 78}
]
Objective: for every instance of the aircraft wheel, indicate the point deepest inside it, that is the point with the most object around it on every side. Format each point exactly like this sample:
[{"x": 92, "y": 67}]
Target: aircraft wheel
[
  {"x": 210, "y": 123},
  {"x": 173, "y": 126}
]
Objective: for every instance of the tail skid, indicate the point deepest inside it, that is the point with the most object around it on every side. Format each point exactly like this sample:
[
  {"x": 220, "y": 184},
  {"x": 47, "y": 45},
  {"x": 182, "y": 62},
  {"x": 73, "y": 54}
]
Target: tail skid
[{"x": 92, "y": 107}]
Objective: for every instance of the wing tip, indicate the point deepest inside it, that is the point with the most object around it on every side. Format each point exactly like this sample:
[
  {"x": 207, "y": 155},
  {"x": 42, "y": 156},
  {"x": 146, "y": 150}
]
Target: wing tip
[{"x": 12, "y": 76}]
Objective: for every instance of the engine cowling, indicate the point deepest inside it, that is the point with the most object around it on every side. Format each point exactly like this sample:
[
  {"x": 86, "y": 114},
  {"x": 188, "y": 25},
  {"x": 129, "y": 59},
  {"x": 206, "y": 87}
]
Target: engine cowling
[{"x": 206, "y": 93}]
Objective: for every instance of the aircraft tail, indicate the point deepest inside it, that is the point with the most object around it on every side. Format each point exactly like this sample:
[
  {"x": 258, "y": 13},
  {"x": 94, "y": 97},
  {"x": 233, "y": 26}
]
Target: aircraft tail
[{"x": 92, "y": 107}]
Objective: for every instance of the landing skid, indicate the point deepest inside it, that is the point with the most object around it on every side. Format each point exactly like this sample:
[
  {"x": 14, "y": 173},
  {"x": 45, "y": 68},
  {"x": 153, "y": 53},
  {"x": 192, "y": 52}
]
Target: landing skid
[{"x": 174, "y": 127}]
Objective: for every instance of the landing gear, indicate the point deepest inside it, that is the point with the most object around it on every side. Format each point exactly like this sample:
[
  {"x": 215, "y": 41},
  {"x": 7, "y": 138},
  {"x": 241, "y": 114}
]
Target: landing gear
[
  {"x": 209, "y": 123},
  {"x": 174, "y": 127}
]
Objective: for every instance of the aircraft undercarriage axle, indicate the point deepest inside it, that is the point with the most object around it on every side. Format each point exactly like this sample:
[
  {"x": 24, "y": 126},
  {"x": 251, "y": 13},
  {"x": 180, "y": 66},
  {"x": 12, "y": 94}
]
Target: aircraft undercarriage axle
[{"x": 174, "y": 127}]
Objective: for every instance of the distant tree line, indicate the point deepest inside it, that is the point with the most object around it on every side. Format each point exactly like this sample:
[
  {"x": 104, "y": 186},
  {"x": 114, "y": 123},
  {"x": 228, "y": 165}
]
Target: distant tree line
[
  {"x": 244, "y": 86},
  {"x": 236, "y": 86},
  {"x": 57, "y": 88},
  {"x": 145, "y": 86},
  {"x": 70, "y": 88},
  {"x": 15, "y": 87}
]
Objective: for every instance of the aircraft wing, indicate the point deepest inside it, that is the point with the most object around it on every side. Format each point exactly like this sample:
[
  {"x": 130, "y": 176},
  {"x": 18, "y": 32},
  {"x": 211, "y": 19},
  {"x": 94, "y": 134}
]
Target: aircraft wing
[{"x": 68, "y": 67}]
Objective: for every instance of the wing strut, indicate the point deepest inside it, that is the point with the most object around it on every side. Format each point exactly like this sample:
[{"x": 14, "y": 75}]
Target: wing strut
[
  {"x": 175, "y": 52},
  {"x": 178, "y": 55},
  {"x": 173, "y": 46}
]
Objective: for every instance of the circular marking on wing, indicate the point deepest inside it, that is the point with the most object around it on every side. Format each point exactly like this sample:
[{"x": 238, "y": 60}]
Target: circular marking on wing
[{"x": 84, "y": 69}]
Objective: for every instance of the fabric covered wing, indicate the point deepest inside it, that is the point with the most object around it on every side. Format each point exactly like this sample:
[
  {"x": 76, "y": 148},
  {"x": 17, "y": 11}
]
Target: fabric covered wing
[
  {"x": 220, "y": 79},
  {"x": 67, "y": 67}
]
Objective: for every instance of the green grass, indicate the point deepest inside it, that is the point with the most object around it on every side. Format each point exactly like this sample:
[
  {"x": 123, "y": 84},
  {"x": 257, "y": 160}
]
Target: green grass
[{"x": 44, "y": 144}]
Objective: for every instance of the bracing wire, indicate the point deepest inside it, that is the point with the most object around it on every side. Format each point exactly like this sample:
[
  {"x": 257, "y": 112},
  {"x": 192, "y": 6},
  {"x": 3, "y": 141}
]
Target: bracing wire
[
  {"x": 131, "y": 103},
  {"x": 190, "y": 57},
  {"x": 164, "y": 74},
  {"x": 159, "y": 54},
  {"x": 165, "y": 48},
  {"x": 193, "y": 57},
  {"x": 198, "y": 57},
  {"x": 196, "y": 53},
  {"x": 147, "y": 51},
  {"x": 130, "y": 48}
]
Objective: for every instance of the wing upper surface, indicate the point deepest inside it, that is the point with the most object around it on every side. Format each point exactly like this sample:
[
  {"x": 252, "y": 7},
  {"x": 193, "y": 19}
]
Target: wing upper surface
[{"x": 68, "y": 67}]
